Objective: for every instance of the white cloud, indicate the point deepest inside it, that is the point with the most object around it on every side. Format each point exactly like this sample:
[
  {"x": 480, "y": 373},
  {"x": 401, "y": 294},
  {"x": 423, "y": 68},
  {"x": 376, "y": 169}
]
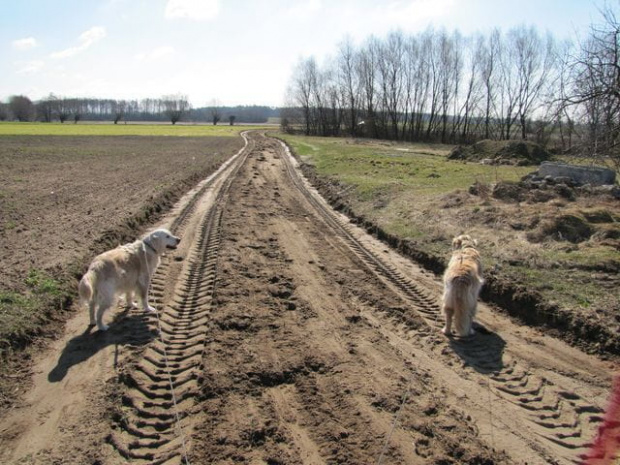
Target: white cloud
[
  {"x": 197, "y": 10},
  {"x": 86, "y": 39},
  {"x": 156, "y": 54},
  {"x": 30, "y": 67},
  {"x": 25, "y": 44}
]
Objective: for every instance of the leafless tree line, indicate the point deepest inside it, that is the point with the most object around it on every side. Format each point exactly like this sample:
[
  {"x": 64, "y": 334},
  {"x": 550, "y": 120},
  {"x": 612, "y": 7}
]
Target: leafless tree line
[
  {"x": 171, "y": 108},
  {"x": 445, "y": 87},
  {"x": 52, "y": 108}
]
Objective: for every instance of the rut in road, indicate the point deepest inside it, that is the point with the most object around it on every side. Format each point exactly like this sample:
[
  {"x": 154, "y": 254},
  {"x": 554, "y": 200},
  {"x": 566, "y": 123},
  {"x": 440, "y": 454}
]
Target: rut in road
[
  {"x": 259, "y": 358},
  {"x": 162, "y": 386}
]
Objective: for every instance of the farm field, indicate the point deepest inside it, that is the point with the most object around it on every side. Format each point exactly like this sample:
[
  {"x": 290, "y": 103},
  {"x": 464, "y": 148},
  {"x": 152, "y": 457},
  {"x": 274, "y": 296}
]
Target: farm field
[
  {"x": 419, "y": 200},
  {"x": 131, "y": 129},
  {"x": 285, "y": 334}
]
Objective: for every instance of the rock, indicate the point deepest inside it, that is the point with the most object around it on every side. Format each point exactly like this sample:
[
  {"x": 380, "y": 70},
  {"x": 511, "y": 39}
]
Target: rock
[{"x": 593, "y": 175}]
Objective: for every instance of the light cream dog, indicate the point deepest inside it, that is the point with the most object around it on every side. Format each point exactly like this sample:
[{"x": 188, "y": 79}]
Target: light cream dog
[
  {"x": 126, "y": 269},
  {"x": 462, "y": 284}
]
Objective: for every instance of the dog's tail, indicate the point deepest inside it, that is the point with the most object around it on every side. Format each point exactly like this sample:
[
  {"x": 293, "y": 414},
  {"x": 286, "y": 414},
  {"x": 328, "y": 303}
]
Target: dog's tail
[
  {"x": 86, "y": 286},
  {"x": 463, "y": 301}
]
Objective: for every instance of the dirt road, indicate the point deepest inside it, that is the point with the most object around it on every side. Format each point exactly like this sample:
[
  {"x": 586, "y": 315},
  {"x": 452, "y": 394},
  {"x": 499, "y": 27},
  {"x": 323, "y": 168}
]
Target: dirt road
[{"x": 288, "y": 336}]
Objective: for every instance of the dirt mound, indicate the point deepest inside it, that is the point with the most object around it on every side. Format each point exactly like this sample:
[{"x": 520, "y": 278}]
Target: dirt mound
[
  {"x": 509, "y": 152},
  {"x": 509, "y": 192},
  {"x": 570, "y": 227}
]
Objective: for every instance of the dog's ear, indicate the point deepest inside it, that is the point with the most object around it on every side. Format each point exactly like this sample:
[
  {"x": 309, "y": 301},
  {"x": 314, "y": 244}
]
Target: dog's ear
[
  {"x": 475, "y": 241},
  {"x": 456, "y": 243},
  {"x": 155, "y": 237}
]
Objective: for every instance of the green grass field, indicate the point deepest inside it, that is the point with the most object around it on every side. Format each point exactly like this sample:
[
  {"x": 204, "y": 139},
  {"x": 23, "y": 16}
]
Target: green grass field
[
  {"x": 129, "y": 129},
  {"x": 376, "y": 167}
]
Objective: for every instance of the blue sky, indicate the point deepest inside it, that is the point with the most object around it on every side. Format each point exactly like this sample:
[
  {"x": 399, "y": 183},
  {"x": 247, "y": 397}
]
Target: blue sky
[{"x": 235, "y": 51}]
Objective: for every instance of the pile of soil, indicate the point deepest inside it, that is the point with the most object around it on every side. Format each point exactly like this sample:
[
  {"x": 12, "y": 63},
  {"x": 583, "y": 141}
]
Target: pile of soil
[
  {"x": 572, "y": 223},
  {"x": 509, "y": 152}
]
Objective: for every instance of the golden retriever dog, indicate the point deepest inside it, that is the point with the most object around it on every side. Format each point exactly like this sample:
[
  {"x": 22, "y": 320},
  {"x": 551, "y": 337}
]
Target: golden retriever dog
[
  {"x": 462, "y": 282},
  {"x": 125, "y": 269}
]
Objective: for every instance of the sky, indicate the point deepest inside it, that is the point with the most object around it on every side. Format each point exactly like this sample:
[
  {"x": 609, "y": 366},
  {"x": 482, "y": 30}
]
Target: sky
[{"x": 235, "y": 52}]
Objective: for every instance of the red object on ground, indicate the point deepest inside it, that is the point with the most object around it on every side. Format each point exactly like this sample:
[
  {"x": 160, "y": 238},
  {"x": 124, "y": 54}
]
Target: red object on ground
[{"x": 606, "y": 447}]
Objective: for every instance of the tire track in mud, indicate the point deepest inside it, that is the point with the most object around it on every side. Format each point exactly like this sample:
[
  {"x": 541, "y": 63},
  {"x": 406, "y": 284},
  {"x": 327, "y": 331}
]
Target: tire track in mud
[
  {"x": 555, "y": 413},
  {"x": 160, "y": 389}
]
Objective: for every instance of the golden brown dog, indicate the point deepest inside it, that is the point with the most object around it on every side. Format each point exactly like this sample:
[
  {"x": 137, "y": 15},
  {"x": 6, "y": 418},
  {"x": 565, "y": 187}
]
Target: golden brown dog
[
  {"x": 462, "y": 283},
  {"x": 126, "y": 269}
]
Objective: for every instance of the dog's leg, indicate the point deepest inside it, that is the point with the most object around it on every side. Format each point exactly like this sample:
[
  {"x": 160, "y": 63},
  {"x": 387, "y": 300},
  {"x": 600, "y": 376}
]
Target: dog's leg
[
  {"x": 129, "y": 303},
  {"x": 448, "y": 312},
  {"x": 471, "y": 319},
  {"x": 100, "y": 325},
  {"x": 143, "y": 289},
  {"x": 464, "y": 321},
  {"x": 104, "y": 304},
  {"x": 91, "y": 310}
]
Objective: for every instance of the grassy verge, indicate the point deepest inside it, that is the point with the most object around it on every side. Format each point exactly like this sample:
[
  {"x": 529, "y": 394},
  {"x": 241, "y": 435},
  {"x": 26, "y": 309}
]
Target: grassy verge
[
  {"x": 22, "y": 312},
  {"x": 130, "y": 129},
  {"x": 417, "y": 200}
]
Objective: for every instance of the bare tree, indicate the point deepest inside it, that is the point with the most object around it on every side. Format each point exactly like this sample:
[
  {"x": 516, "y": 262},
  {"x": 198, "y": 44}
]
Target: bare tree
[
  {"x": 367, "y": 70},
  {"x": 535, "y": 61},
  {"x": 231, "y": 119},
  {"x": 594, "y": 93},
  {"x": 214, "y": 109},
  {"x": 421, "y": 79},
  {"x": 349, "y": 82},
  {"x": 473, "y": 91},
  {"x": 488, "y": 51},
  {"x": 450, "y": 70},
  {"x": 300, "y": 91},
  {"x": 21, "y": 107},
  {"x": 46, "y": 108},
  {"x": 334, "y": 101},
  {"x": 4, "y": 111},
  {"x": 391, "y": 75},
  {"x": 118, "y": 110},
  {"x": 175, "y": 106},
  {"x": 432, "y": 61},
  {"x": 76, "y": 107},
  {"x": 62, "y": 109}
]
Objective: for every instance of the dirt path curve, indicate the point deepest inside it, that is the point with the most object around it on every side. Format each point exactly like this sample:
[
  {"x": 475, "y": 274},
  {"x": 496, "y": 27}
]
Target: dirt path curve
[{"x": 288, "y": 336}]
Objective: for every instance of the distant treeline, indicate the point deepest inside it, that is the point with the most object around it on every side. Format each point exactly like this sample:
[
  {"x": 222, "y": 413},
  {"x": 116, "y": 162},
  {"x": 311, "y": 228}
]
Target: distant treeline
[
  {"x": 173, "y": 108},
  {"x": 438, "y": 86}
]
